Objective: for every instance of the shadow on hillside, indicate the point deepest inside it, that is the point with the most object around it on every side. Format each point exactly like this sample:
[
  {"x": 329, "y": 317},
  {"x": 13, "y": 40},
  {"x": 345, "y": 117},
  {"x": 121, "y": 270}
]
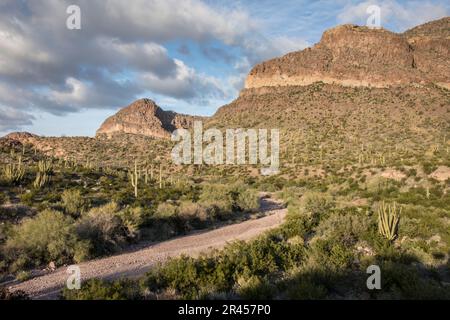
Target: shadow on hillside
[{"x": 402, "y": 278}]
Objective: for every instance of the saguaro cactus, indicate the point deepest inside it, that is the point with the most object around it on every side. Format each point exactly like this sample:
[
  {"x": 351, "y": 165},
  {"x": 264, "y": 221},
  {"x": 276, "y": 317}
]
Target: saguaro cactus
[
  {"x": 160, "y": 176},
  {"x": 388, "y": 220},
  {"x": 134, "y": 178},
  {"x": 146, "y": 175}
]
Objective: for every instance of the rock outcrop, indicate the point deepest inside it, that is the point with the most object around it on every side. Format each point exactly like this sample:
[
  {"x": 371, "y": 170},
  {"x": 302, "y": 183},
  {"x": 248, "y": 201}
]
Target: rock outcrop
[
  {"x": 350, "y": 55},
  {"x": 144, "y": 117}
]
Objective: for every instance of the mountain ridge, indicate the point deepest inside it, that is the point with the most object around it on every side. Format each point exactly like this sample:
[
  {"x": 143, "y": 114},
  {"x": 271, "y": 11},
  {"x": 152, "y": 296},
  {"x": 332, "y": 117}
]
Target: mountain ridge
[
  {"x": 351, "y": 55},
  {"x": 145, "y": 117}
]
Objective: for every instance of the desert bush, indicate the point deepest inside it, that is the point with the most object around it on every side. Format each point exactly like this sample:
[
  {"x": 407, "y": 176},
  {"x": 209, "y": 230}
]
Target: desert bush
[
  {"x": 241, "y": 266},
  {"x": 103, "y": 228},
  {"x": 330, "y": 255},
  {"x": 73, "y": 202},
  {"x": 306, "y": 285},
  {"x": 247, "y": 200},
  {"x": 219, "y": 196},
  {"x": 290, "y": 194},
  {"x": 132, "y": 220},
  {"x": 166, "y": 210},
  {"x": 191, "y": 210},
  {"x": 345, "y": 227},
  {"x": 220, "y": 200},
  {"x": 47, "y": 237},
  {"x": 254, "y": 288},
  {"x": 95, "y": 289},
  {"x": 428, "y": 167},
  {"x": 315, "y": 204},
  {"x": 402, "y": 281}
]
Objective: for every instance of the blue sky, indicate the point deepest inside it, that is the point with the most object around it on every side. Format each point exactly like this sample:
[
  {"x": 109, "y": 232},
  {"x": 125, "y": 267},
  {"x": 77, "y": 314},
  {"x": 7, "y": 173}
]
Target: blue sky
[{"x": 189, "y": 56}]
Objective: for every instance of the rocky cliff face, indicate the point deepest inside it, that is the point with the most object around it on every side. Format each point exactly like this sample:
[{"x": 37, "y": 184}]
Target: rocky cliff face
[
  {"x": 144, "y": 117},
  {"x": 350, "y": 55},
  {"x": 356, "y": 87}
]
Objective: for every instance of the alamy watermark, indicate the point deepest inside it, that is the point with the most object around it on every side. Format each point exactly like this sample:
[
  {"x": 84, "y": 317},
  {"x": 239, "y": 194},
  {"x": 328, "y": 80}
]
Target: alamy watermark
[
  {"x": 228, "y": 148},
  {"x": 374, "y": 19},
  {"x": 374, "y": 280},
  {"x": 73, "y": 21},
  {"x": 74, "y": 280}
]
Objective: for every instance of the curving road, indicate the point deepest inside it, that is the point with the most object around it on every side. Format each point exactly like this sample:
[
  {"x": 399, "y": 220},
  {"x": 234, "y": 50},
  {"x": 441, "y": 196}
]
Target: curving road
[{"x": 137, "y": 262}]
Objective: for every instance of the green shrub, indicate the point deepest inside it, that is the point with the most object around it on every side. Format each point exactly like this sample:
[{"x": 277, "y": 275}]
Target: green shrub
[
  {"x": 73, "y": 202},
  {"x": 103, "y": 228},
  {"x": 330, "y": 255},
  {"x": 315, "y": 204},
  {"x": 166, "y": 210},
  {"x": 132, "y": 219},
  {"x": 344, "y": 227},
  {"x": 247, "y": 200},
  {"x": 47, "y": 237},
  {"x": 402, "y": 281},
  {"x": 428, "y": 167},
  {"x": 306, "y": 286},
  {"x": 217, "y": 196},
  {"x": 254, "y": 288},
  {"x": 95, "y": 289},
  {"x": 191, "y": 210}
]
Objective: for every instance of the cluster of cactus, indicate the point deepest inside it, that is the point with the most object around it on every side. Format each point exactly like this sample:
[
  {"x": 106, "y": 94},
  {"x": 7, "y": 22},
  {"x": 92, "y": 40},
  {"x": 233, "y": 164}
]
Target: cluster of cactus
[
  {"x": 388, "y": 220},
  {"x": 41, "y": 180},
  {"x": 14, "y": 173},
  {"x": 45, "y": 166},
  {"x": 136, "y": 173},
  {"x": 45, "y": 169},
  {"x": 89, "y": 164}
]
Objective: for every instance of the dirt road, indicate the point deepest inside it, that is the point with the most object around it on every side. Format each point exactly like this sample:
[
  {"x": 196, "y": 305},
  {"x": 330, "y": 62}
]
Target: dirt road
[{"x": 137, "y": 262}]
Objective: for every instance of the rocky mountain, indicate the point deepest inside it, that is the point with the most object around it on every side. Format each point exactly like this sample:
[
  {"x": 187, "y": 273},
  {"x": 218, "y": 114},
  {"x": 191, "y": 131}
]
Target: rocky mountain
[
  {"x": 351, "y": 55},
  {"x": 146, "y": 118},
  {"x": 358, "y": 93}
]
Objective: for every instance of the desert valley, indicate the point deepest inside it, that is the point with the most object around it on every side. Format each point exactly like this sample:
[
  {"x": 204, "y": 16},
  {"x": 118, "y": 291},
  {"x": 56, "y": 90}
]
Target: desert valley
[{"x": 363, "y": 179}]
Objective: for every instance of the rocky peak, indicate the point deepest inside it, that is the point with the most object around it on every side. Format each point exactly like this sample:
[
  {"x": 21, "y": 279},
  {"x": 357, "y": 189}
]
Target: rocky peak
[
  {"x": 351, "y": 55},
  {"x": 145, "y": 117}
]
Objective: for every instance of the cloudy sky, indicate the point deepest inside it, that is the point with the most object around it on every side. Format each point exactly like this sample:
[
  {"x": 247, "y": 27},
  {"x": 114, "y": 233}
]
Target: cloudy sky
[{"x": 189, "y": 56}]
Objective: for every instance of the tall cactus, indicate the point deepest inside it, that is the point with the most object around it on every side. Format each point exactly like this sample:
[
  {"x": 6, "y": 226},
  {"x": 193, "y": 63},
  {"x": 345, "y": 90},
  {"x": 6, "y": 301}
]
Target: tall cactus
[
  {"x": 41, "y": 180},
  {"x": 45, "y": 166},
  {"x": 160, "y": 176},
  {"x": 134, "y": 179},
  {"x": 14, "y": 173},
  {"x": 388, "y": 220},
  {"x": 146, "y": 175}
]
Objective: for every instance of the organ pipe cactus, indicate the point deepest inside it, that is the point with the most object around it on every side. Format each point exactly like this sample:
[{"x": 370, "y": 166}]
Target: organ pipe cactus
[
  {"x": 388, "y": 220},
  {"x": 41, "y": 180},
  {"x": 14, "y": 173},
  {"x": 45, "y": 166}
]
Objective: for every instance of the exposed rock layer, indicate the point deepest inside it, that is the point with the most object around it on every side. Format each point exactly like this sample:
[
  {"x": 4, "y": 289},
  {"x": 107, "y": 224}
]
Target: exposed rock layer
[
  {"x": 144, "y": 117},
  {"x": 359, "y": 56}
]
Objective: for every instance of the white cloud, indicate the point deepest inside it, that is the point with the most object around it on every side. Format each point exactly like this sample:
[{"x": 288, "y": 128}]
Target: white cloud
[
  {"x": 58, "y": 70},
  {"x": 184, "y": 84},
  {"x": 76, "y": 92},
  {"x": 13, "y": 119}
]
